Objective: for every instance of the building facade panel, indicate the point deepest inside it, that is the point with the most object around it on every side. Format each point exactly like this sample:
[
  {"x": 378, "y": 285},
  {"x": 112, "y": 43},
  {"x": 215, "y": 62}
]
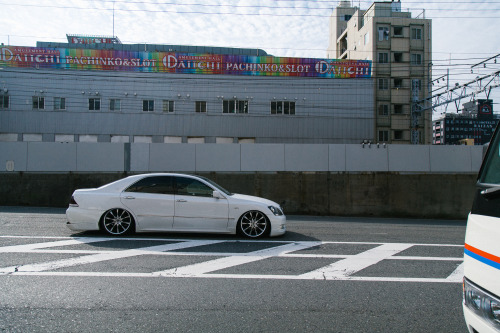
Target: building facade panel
[
  {"x": 51, "y": 157},
  {"x": 110, "y": 105},
  {"x": 103, "y": 157},
  {"x": 262, "y": 158}
]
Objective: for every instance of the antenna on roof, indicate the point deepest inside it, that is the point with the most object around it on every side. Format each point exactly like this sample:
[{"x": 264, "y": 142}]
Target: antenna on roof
[{"x": 113, "y": 19}]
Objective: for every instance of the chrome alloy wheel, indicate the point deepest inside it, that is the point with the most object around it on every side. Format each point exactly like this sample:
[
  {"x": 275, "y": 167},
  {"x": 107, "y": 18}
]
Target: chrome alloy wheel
[
  {"x": 117, "y": 221},
  {"x": 253, "y": 224}
]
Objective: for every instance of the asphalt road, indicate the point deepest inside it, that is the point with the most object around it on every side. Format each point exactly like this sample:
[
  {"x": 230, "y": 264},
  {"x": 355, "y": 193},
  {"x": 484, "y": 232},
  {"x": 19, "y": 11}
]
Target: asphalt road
[{"x": 327, "y": 274}]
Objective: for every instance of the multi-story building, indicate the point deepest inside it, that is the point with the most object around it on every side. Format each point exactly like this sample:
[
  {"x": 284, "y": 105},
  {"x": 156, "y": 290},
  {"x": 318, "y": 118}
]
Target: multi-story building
[
  {"x": 475, "y": 124},
  {"x": 95, "y": 89},
  {"x": 400, "y": 47}
]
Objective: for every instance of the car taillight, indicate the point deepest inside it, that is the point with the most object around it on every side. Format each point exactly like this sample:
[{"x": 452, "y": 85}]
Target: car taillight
[{"x": 72, "y": 202}]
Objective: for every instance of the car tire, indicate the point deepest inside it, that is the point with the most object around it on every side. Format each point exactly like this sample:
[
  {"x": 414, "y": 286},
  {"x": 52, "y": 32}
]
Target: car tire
[
  {"x": 253, "y": 224},
  {"x": 117, "y": 222}
]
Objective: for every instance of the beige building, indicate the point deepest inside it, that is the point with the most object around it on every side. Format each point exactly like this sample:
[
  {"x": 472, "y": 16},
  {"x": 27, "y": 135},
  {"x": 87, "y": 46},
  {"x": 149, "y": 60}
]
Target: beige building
[{"x": 400, "y": 49}]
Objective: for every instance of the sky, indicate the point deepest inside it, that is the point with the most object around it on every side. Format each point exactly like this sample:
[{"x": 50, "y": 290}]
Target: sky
[{"x": 464, "y": 33}]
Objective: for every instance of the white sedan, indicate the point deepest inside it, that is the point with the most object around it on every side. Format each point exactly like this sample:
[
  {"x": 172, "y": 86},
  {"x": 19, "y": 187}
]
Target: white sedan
[{"x": 172, "y": 203}]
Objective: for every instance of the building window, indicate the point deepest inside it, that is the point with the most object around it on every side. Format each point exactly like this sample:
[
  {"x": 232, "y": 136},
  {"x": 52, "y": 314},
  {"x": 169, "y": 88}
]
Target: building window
[
  {"x": 383, "y": 58},
  {"x": 398, "y": 31},
  {"x": 383, "y": 84},
  {"x": 143, "y": 139},
  {"x": 416, "y": 59},
  {"x": 282, "y": 107},
  {"x": 383, "y": 136},
  {"x": 201, "y": 106},
  {"x": 59, "y": 103},
  {"x": 398, "y": 108},
  {"x": 398, "y": 83},
  {"x": 398, "y": 135},
  {"x": 383, "y": 110},
  {"x": 148, "y": 105},
  {"x": 195, "y": 139},
  {"x": 168, "y": 106},
  {"x": 234, "y": 106},
  {"x": 398, "y": 57},
  {"x": 64, "y": 138},
  {"x": 383, "y": 33},
  {"x": 94, "y": 104},
  {"x": 4, "y": 102},
  {"x": 115, "y": 105},
  {"x": 346, "y": 17},
  {"x": 38, "y": 103},
  {"x": 416, "y": 33}
]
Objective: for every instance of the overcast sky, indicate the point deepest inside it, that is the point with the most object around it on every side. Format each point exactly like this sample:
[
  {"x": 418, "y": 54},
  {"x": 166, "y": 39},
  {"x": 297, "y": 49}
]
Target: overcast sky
[{"x": 463, "y": 32}]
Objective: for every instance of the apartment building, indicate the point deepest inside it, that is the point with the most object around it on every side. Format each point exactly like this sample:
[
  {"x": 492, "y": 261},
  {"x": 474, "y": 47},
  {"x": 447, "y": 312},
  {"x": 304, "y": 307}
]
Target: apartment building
[{"x": 399, "y": 46}]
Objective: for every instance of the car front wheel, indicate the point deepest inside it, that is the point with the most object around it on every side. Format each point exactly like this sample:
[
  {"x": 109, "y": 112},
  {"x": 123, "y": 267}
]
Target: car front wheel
[
  {"x": 117, "y": 222},
  {"x": 253, "y": 224}
]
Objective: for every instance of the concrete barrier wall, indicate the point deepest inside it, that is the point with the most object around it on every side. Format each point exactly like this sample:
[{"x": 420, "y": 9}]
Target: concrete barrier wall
[
  {"x": 383, "y": 194},
  {"x": 157, "y": 157},
  {"x": 349, "y": 180}
]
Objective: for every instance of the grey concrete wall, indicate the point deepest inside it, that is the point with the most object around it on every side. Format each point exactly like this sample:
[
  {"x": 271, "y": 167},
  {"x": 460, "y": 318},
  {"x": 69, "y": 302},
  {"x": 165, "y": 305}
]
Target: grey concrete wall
[
  {"x": 353, "y": 180},
  {"x": 384, "y": 194},
  {"x": 157, "y": 157}
]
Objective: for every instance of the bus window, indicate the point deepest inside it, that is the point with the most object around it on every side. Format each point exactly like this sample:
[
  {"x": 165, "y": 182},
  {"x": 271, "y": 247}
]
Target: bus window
[{"x": 490, "y": 173}]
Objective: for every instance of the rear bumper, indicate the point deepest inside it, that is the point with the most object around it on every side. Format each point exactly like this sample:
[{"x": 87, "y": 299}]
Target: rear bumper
[{"x": 82, "y": 219}]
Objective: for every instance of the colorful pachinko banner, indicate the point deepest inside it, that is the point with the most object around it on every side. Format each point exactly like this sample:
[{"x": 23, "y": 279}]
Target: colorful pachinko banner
[{"x": 167, "y": 62}]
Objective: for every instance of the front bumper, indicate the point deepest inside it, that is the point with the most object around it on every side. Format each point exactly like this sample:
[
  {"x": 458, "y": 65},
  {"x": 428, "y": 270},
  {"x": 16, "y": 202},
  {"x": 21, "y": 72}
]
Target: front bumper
[
  {"x": 278, "y": 225},
  {"x": 475, "y": 323}
]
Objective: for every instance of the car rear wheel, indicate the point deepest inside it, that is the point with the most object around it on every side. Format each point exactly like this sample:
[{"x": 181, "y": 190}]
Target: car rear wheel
[
  {"x": 117, "y": 222},
  {"x": 253, "y": 224}
]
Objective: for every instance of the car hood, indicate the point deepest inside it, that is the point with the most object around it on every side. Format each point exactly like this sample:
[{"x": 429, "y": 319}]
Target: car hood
[{"x": 250, "y": 198}]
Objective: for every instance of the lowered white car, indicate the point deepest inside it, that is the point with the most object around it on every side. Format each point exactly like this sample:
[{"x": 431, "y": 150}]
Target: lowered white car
[{"x": 167, "y": 202}]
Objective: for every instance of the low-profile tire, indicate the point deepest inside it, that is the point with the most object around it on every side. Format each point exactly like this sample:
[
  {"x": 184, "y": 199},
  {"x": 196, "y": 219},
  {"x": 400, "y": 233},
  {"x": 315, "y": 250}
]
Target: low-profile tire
[
  {"x": 253, "y": 224},
  {"x": 117, "y": 222}
]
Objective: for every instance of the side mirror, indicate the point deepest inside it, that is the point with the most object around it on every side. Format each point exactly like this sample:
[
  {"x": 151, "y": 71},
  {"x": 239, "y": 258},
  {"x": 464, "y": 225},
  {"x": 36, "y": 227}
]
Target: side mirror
[{"x": 217, "y": 195}]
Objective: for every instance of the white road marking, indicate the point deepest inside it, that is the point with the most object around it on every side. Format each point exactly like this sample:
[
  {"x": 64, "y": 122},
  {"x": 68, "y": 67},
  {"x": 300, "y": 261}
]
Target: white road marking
[
  {"x": 339, "y": 270},
  {"x": 345, "y": 268},
  {"x": 44, "y": 245},
  {"x": 218, "y": 264},
  {"x": 103, "y": 257},
  {"x": 457, "y": 275}
]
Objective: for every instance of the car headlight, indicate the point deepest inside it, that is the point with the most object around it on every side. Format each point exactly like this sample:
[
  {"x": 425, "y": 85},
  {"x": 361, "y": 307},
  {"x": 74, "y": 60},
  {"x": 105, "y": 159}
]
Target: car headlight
[
  {"x": 276, "y": 210},
  {"x": 482, "y": 303}
]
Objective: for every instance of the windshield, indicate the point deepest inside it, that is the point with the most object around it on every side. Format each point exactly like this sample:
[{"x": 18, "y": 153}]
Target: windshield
[
  {"x": 490, "y": 173},
  {"x": 217, "y": 186}
]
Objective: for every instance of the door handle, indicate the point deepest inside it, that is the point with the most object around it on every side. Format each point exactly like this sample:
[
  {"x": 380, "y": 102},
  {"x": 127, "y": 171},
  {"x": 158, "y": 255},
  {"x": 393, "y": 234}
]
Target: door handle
[
  {"x": 129, "y": 197},
  {"x": 181, "y": 200}
]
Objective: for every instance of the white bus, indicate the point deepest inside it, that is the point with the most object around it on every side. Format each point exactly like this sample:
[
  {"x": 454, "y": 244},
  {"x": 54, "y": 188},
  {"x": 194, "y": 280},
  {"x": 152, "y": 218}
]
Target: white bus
[{"x": 481, "y": 297}]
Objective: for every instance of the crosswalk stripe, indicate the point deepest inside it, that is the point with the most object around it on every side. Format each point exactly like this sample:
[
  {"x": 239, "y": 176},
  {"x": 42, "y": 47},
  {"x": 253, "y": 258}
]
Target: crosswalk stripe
[
  {"x": 353, "y": 264},
  {"x": 344, "y": 269},
  {"x": 226, "y": 262},
  {"x": 52, "y": 265}
]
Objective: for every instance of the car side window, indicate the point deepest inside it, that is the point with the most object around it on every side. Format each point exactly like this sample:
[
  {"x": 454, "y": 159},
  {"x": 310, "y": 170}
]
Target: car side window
[
  {"x": 155, "y": 185},
  {"x": 192, "y": 187}
]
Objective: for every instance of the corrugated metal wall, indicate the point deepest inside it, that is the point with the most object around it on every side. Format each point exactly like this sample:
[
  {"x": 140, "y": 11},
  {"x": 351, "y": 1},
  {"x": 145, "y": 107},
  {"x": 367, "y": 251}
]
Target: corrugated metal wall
[{"x": 326, "y": 110}]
